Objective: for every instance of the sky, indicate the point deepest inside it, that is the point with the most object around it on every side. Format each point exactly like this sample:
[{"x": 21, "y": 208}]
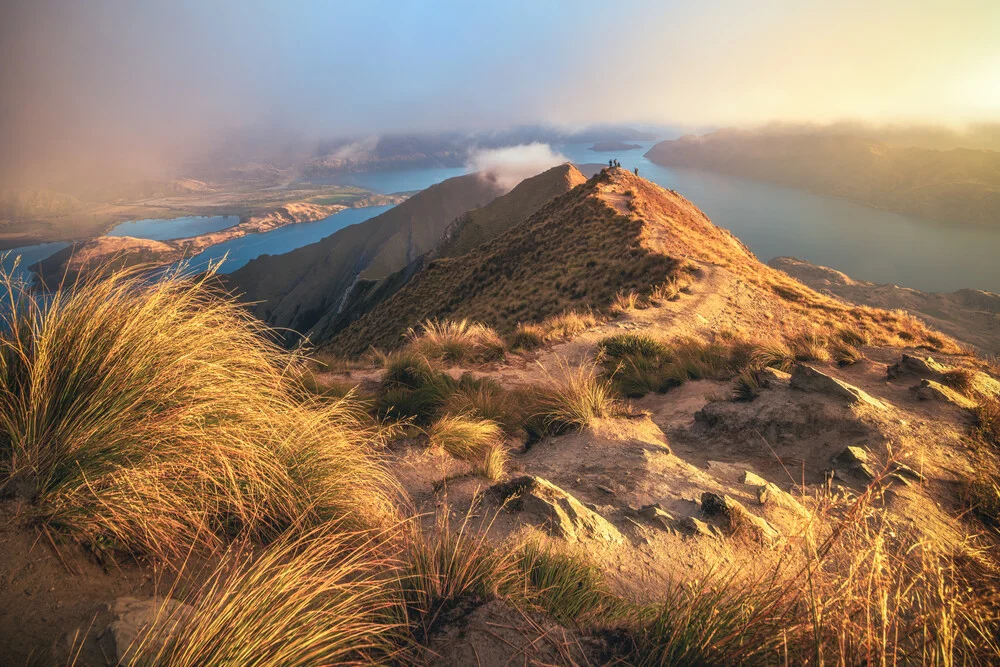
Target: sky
[{"x": 101, "y": 84}]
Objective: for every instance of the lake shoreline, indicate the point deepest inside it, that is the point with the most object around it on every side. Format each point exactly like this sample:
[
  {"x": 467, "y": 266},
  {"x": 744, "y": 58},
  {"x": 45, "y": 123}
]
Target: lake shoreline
[{"x": 130, "y": 251}]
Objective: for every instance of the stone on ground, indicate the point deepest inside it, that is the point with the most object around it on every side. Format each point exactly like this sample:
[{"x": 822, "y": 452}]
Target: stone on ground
[
  {"x": 807, "y": 378},
  {"x": 562, "y": 514}
]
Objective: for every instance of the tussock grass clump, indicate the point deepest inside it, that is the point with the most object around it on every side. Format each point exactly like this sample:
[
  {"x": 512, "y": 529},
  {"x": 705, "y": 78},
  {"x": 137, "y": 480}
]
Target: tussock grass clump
[
  {"x": 576, "y": 398},
  {"x": 748, "y": 384},
  {"x": 486, "y": 399},
  {"x": 627, "y": 344},
  {"x": 772, "y": 354},
  {"x": 448, "y": 564},
  {"x": 494, "y": 462},
  {"x": 982, "y": 495},
  {"x": 316, "y": 598},
  {"x": 569, "y": 324},
  {"x": 527, "y": 337},
  {"x": 717, "y": 620},
  {"x": 810, "y": 346},
  {"x": 457, "y": 342},
  {"x": 412, "y": 388},
  {"x": 637, "y": 364},
  {"x": 852, "y": 334},
  {"x": 145, "y": 417},
  {"x": 669, "y": 290},
  {"x": 845, "y": 354},
  {"x": 479, "y": 441},
  {"x": 987, "y": 426},
  {"x": 626, "y": 302},
  {"x": 567, "y": 588},
  {"x": 462, "y": 436}
]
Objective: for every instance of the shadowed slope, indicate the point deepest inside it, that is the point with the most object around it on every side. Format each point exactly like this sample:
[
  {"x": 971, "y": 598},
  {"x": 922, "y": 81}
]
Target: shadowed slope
[
  {"x": 296, "y": 289},
  {"x": 462, "y": 235}
]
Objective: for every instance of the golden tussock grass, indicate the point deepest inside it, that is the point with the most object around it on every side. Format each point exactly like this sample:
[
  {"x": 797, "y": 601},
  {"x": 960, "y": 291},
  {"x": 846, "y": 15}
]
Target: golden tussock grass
[
  {"x": 626, "y": 302},
  {"x": 479, "y": 441},
  {"x": 318, "y": 597},
  {"x": 576, "y": 397},
  {"x": 145, "y": 417},
  {"x": 456, "y": 342}
]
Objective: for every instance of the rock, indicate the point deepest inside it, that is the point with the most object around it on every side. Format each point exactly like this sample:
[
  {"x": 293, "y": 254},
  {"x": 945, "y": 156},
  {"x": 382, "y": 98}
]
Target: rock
[
  {"x": 135, "y": 616},
  {"x": 753, "y": 479},
  {"x": 807, "y": 378},
  {"x": 774, "y": 375},
  {"x": 739, "y": 517},
  {"x": 713, "y": 503},
  {"x": 929, "y": 390},
  {"x": 657, "y": 516},
  {"x": 694, "y": 526},
  {"x": 864, "y": 471},
  {"x": 924, "y": 367},
  {"x": 563, "y": 515},
  {"x": 902, "y": 471},
  {"x": 771, "y": 494},
  {"x": 851, "y": 456}
]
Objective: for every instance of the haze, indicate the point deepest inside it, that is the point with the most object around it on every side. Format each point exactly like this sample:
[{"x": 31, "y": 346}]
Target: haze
[{"x": 127, "y": 89}]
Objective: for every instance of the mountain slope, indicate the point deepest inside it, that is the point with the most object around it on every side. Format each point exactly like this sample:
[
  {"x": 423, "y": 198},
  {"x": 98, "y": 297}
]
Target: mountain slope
[
  {"x": 971, "y": 316},
  {"x": 296, "y": 289},
  {"x": 483, "y": 224},
  {"x": 959, "y": 184},
  {"x": 462, "y": 234},
  {"x": 616, "y": 232}
]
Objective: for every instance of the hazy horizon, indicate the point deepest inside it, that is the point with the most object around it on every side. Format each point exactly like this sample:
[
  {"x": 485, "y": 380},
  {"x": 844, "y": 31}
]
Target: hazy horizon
[{"x": 124, "y": 89}]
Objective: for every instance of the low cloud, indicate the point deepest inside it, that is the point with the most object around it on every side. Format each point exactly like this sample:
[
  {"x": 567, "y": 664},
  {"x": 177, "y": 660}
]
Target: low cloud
[{"x": 509, "y": 166}]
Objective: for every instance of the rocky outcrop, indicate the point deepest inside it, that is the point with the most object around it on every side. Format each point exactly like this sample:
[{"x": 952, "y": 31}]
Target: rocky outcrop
[
  {"x": 921, "y": 367},
  {"x": 807, "y": 378},
  {"x": 929, "y": 390},
  {"x": 562, "y": 514}
]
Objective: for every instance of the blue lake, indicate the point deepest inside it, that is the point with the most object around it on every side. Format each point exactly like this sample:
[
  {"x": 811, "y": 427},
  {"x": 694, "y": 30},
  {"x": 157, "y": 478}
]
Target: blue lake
[
  {"x": 29, "y": 254},
  {"x": 174, "y": 228},
  {"x": 238, "y": 252},
  {"x": 772, "y": 220}
]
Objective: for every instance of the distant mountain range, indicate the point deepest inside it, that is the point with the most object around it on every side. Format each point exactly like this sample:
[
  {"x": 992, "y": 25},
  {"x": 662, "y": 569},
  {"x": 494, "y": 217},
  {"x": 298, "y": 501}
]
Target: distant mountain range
[{"x": 959, "y": 184}]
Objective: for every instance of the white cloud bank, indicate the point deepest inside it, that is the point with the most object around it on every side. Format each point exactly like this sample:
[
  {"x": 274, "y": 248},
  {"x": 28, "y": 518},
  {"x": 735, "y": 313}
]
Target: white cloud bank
[{"x": 510, "y": 166}]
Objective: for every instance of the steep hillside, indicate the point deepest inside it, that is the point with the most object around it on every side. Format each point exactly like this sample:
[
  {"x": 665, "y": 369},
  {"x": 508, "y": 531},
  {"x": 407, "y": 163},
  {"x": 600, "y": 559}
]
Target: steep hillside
[
  {"x": 483, "y": 224},
  {"x": 959, "y": 184},
  {"x": 615, "y": 233},
  {"x": 295, "y": 290},
  {"x": 971, "y": 316},
  {"x": 462, "y": 235}
]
